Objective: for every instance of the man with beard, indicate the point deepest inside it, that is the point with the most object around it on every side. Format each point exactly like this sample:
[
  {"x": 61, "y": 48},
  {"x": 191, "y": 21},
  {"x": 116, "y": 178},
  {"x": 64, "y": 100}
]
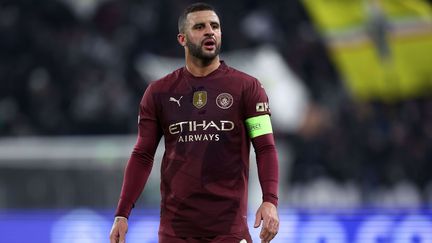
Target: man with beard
[{"x": 208, "y": 113}]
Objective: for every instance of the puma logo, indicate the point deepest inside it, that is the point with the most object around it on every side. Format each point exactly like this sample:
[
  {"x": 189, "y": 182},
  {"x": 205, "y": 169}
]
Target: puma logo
[{"x": 175, "y": 100}]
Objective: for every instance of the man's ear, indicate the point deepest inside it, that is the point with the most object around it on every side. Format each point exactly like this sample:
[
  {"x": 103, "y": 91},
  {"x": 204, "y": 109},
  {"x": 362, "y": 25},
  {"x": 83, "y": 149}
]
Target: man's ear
[{"x": 181, "y": 38}]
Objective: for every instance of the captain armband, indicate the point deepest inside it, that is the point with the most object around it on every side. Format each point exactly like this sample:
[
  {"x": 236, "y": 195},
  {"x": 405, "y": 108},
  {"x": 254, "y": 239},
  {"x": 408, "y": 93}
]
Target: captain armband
[{"x": 258, "y": 125}]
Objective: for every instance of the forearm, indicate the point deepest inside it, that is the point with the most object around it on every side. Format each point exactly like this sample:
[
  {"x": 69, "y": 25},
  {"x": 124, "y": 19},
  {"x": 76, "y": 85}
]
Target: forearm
[
  {"x": 267, "y": 164},
  {"x": 136, "y": 174},
  {"x": 138, "y": 168}
]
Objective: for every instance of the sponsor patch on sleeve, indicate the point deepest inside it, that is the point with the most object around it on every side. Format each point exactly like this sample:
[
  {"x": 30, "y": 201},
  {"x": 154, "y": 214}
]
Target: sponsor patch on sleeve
[
  {"x": 262, "y": 107},
  {"x": 259, "y": 125}
]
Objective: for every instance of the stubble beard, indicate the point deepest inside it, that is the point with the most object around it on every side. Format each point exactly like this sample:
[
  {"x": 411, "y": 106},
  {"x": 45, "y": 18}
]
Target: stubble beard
[{"x": 197, "y": 51}]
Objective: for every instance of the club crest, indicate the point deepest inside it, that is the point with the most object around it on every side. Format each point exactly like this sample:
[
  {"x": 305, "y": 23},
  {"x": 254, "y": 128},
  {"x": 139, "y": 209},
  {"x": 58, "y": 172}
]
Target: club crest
[
  {"x": 224, "y": 101},
  {"x": 200, "y": 99}
]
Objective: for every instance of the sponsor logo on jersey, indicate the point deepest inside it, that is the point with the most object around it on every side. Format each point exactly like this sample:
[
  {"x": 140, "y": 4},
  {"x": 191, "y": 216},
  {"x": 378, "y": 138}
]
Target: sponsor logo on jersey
[
  {"x": 198, "y": 138},
  {"x": 224, "y": 101},
  {"x": 176, "y": 100},
  {"x": 200, "y": 99},
  {"x": 262, "y": 107},
  {"x": 200, "y": 130},
  {"x": 194, "y": 126}
]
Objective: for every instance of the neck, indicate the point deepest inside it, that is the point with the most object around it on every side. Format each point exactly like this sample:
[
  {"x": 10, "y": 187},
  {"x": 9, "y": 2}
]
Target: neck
[{"x": 199, "y": 67}]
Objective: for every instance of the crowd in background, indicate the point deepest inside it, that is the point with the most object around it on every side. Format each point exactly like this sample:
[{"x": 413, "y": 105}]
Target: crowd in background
[
  {"x": 373, "y": 152},
  {"x": 64, "y": 72}
]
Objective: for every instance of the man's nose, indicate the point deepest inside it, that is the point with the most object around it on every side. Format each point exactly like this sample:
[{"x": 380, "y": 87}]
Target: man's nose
[{"x": 209, "y": 31}]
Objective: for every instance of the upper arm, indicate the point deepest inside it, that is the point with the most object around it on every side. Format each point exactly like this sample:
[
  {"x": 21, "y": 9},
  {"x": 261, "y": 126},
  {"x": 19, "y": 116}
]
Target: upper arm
[
  {"x": 256, "y": 110},
  {"x": 149, "y": 130},
  {"x": 148, "y": 112}
]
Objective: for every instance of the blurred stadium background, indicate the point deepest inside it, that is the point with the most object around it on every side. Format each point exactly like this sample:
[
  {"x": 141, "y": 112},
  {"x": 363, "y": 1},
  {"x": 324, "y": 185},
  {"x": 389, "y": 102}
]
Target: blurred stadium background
[{"x": 350, "y": 86}]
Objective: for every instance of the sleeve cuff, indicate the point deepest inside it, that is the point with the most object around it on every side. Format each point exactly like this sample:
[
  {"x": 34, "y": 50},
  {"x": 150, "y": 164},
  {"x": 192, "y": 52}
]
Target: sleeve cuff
[
  {"x": 271, "y": 199},
  {"x": 124, "y": 208}
]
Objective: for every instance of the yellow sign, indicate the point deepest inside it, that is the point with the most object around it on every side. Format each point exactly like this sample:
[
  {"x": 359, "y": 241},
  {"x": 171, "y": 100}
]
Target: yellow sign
[{"x": 382, "y": 48}]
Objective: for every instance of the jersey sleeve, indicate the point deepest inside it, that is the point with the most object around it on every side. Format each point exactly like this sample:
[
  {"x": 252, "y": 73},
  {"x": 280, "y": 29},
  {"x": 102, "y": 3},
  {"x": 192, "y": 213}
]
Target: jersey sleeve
[
  {"x": 257, "y": 111},
  {"x": 268, "y": 167},
  {"x": 255, "y": 100},
  {"x": 258, "y": 124},
  {"x": 148, "y": 109},
  {"x": 140, "y": 163}
]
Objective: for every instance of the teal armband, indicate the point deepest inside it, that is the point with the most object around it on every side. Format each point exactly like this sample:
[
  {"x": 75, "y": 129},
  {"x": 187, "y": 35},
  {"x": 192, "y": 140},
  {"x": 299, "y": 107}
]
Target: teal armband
[{"x": 259, "y": 125}]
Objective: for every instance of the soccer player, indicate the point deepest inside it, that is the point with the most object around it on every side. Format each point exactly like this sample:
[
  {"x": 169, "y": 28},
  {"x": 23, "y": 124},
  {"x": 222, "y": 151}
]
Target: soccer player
[{"x": 208, "y": 113}]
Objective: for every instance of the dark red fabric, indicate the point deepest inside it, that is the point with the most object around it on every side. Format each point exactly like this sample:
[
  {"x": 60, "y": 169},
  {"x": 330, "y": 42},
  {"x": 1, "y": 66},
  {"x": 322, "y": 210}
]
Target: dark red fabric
[
  {"x": 231, "y": 238},
  {"x": 268, "y": 168},
  {"x": 138, "y": 167},
  {"x": 205, "y": 167}
]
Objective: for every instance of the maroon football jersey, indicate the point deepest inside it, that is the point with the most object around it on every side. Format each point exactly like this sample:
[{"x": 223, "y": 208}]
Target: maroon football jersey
[{"x": 205, "y": 167}]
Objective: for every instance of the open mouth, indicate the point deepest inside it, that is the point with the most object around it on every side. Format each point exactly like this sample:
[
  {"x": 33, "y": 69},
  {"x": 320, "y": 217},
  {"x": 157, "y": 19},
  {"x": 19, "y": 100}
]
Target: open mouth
[{"x": 209, "y": 44}]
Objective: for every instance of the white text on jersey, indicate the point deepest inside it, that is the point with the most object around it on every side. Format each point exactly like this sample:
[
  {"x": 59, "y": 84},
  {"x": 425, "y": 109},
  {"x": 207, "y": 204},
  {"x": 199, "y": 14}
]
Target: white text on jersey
[{"x": 192, "y": 126}]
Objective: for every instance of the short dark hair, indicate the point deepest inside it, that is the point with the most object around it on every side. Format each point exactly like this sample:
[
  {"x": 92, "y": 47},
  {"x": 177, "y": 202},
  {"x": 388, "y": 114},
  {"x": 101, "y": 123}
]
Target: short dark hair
[{"x": 195, "y": 7}]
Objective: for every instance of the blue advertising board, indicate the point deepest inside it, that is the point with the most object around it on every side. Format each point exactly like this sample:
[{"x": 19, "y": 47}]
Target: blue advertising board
[{"x": 298, "y": 226}]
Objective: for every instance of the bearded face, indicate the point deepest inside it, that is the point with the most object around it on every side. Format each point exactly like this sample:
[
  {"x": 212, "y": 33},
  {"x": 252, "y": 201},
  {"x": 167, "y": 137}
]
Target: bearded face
[
  {"x": 207, "y": 49},
  {"x": 202, "y": 35}
]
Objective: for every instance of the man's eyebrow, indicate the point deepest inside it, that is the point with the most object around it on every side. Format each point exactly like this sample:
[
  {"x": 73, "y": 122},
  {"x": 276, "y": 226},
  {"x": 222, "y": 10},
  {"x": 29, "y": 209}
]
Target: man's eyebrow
[
  {"x": 197, "y": 24},
  {"x": 202, "y": 22}
]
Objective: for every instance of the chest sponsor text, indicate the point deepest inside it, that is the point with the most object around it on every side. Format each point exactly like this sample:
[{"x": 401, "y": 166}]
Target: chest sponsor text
[{"x": 195, "y": 131}]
